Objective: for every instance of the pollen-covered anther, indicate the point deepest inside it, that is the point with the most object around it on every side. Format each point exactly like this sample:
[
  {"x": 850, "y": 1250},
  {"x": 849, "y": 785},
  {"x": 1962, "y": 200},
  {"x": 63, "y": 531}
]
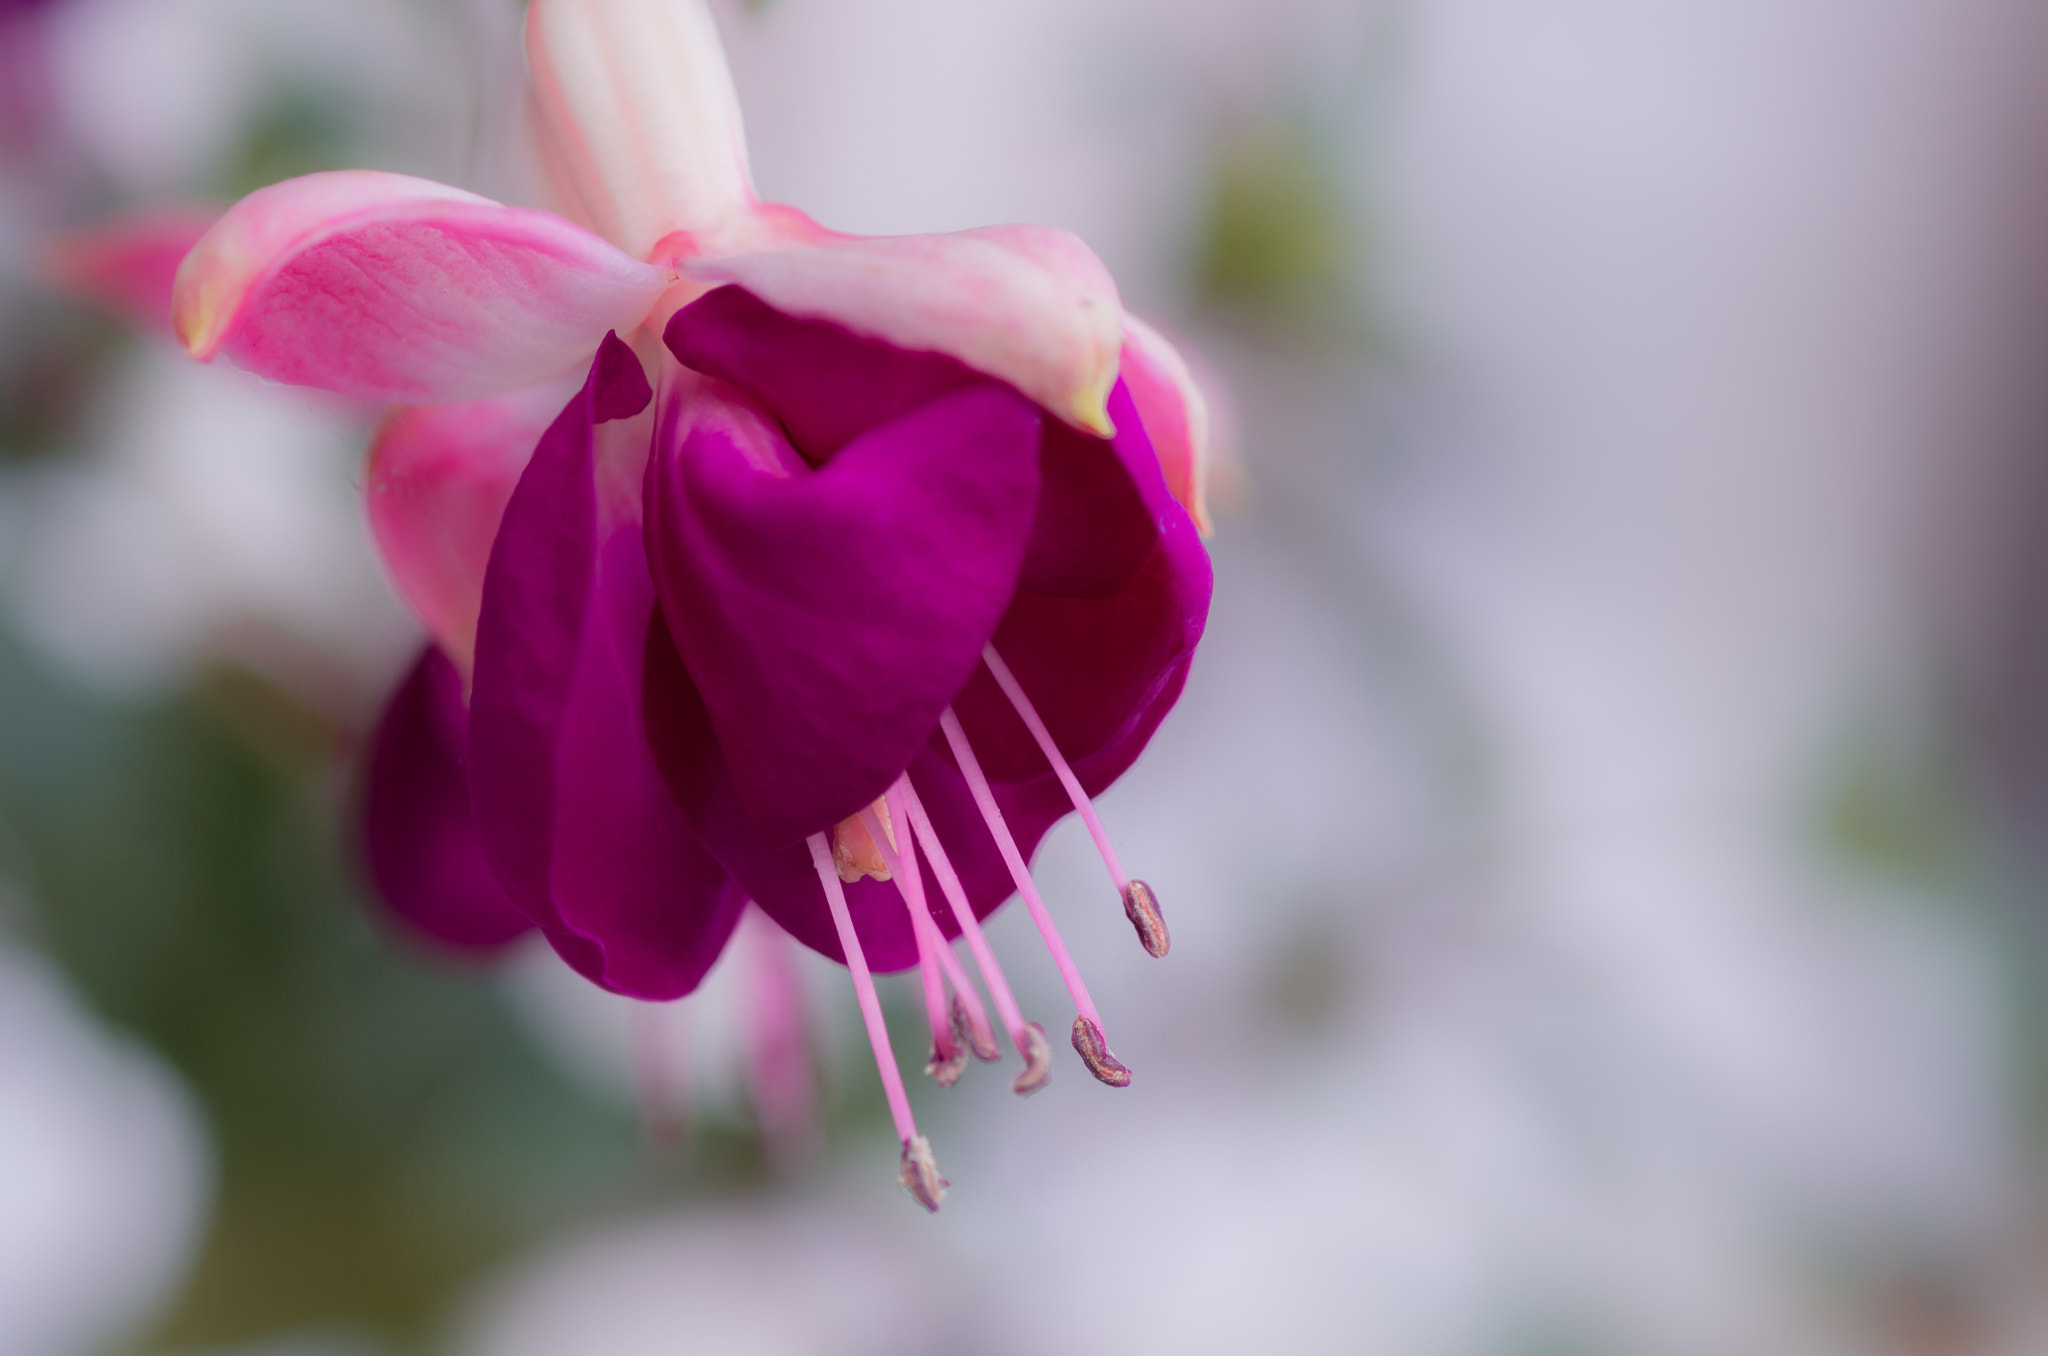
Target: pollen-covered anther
[
  {"x": 1093, "y": 1048},
  {"x": 1037, "y": 1054},
  {"x": 854, "y": 850},
  {"x": 974, "y": 1032},
  {"x": 1141, "y": 906},
  {"x": 948, "y": 1061},
  {"x": 920, "y": 1174}
]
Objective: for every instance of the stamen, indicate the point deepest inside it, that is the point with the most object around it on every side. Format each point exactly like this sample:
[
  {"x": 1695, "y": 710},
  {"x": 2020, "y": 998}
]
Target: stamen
[
  {"x": 970, "y": 1022},
  {"x": 992, "y": 815},
  {"x": 1037, "y": 1061},
  {"x": 1094, "y": 1052},
  {"x": 969, "y": 1016},
  {"x": 1028, "y": 1037},
  {"x": 947, "y": 1058},
  {"x": 920, "y": 1174},
  {"x": 967, "y": 1021},
  {"x": 943, "y": 1068},
  {"x": 1141, "y": 906},
  {"x": 928, "y": 1186}
]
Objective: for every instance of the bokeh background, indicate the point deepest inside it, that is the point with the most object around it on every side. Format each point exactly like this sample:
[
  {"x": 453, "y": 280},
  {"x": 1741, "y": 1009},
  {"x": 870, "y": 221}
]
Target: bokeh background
[{"x": 1605, "y": 837}]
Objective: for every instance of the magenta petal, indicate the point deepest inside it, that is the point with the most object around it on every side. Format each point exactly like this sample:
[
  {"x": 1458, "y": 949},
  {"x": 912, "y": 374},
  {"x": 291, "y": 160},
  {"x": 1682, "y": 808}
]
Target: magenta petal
[
  {"x": 574, "y": 813},
  {"x": 828, "y": 616},
  {"x": 1177, "y": 414},
  {"x": 1104, "y": 671},
  {"x": 779, "y": 875},
  {"x": 420, "y": 842},
  {"x": 825, "y": 383},
  {"x": 1093, "y": 530}
]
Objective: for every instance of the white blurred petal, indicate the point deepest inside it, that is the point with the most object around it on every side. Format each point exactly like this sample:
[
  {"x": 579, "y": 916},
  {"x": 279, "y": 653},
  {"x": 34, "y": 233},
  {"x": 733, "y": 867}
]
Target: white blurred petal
[
  {"x": 218, "y": 517},
  {"x": 105, "y": 1173},
  {"x": 163, "y": 93},
  {"x": 691, "y": 1051},
  {"x": 823, "y": 1279},
  {"x": 896, "y": 116}
]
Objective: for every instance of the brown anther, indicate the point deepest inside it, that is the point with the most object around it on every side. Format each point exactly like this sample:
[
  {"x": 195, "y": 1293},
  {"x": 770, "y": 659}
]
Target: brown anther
[
  {"x": 948, "y": 1061},
  {"x": 1037, "y": 1061},
  {"x": 920, "y": 1174},
  {"x": 1141, "y": 906},
  {"x": 1093, "y": 1048},
  {"x": 854, "y": 850},
  {"x": 974, "y": 1033}
]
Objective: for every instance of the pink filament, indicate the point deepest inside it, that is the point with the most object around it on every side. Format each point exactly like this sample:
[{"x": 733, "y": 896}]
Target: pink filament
[
  {"x": 970, "y": 926},
  {"x": 1007, "y": 681},
  {"x": 985, "y": 798},
  {"x": 942, "y": 951},
  {"x": 962, "y": 985},
  {"x": 863, "y": 989},
  {"x": 910, "y": 884},
  {"x": 778, "y": 1062}
]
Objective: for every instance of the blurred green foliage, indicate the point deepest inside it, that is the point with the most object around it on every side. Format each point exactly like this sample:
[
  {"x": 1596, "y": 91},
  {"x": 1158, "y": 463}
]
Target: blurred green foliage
[
  {"x": 1280, "y": 242},
  {"x": 1895, "y": 801},
  {"x": 51, "y": 358},
  {"x": 384, "y": 1131},
  {"x": 297, "y": 133}
]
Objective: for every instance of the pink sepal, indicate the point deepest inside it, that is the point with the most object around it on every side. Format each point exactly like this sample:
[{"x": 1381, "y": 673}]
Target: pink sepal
[
  {"x": 642, "y": 118},
  {"x": 1029, "y": 305},
  {"x": 438, "y": 480},
  {"x": 127, "y": 263},
  {"x": 394, "y": 288},
  {"x": 1176, "y": 415}
]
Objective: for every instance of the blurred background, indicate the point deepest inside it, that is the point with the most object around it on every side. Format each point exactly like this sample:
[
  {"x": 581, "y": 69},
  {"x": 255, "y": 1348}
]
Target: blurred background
[{"x": 1605, "y": 836}]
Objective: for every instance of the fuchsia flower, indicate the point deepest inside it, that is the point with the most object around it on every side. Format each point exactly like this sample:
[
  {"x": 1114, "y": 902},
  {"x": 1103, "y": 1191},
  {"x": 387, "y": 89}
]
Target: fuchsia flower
[{"x": 892, "y": 563}]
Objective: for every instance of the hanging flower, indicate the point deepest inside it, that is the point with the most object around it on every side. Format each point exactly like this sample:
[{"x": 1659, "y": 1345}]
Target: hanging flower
[{"x": 892, "y": 563}]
